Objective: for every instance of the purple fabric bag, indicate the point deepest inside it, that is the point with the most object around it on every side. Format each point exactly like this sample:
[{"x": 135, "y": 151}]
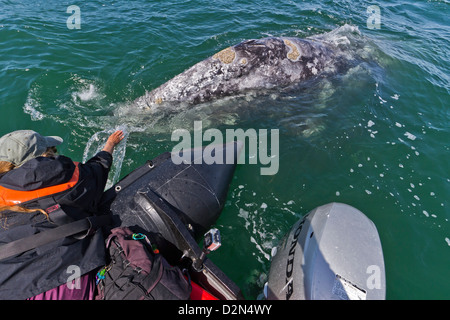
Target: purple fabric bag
[{"x": 137, "y": 272}]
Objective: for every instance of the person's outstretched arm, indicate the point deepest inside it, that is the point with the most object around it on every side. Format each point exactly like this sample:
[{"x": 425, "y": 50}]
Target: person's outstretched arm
[{"x": 113, "y": 140}]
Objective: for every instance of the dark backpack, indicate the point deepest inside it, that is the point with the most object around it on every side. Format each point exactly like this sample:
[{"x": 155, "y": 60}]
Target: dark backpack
[{"x": 137, "y": 272}]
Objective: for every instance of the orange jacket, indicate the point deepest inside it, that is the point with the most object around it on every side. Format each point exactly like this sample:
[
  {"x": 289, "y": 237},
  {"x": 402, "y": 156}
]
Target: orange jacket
[{"x": 10, "y": 197}]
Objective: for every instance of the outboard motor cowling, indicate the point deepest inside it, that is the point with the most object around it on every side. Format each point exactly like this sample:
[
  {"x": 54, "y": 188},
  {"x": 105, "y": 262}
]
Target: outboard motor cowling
[{"x": 333, "y": 253}]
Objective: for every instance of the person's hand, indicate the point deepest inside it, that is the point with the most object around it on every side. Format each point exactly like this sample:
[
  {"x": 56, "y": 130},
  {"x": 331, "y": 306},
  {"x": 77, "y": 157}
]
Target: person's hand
[{"x": 113, "y": 140}]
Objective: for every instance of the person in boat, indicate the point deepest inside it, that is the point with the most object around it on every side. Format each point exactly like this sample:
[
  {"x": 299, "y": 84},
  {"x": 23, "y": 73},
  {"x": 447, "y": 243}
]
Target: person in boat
[{"x": 40, "y": 190}]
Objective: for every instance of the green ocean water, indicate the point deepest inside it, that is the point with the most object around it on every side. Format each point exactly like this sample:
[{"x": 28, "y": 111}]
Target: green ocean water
[{"x": 375, "y": 136}]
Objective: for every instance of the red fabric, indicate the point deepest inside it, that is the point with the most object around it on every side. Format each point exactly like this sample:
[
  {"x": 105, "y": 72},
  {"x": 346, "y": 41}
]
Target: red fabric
[{"x": 198, "y": 293}]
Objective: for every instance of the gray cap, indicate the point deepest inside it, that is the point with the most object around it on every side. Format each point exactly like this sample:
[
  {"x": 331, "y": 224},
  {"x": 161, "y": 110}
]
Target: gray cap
[{"x": 20, "y": 146}]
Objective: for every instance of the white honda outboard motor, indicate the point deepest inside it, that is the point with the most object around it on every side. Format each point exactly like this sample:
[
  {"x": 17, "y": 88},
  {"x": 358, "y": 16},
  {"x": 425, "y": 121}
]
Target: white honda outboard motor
[{"x": 333, "y": 253}]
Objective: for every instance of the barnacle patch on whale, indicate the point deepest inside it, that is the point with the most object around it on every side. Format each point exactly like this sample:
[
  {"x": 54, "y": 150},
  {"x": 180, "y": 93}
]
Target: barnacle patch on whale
[
  {"x": 294, "y": 52},
  {"x": 226, "y": 56}
]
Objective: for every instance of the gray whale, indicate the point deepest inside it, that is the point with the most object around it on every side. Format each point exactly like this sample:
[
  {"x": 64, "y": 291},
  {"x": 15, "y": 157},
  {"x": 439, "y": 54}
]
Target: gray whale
[{"x": 252, "y": 64}]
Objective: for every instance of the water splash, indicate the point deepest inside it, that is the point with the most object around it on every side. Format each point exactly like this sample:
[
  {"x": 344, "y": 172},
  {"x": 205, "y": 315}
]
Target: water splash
[
  {"x": 87, "y": 94},
  {"x": 32, "y": 106},
  {"x": 96, "y": 143}
]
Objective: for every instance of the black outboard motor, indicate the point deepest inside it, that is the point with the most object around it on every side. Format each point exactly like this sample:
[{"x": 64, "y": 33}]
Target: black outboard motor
[{"x": 333, "y": 253}]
